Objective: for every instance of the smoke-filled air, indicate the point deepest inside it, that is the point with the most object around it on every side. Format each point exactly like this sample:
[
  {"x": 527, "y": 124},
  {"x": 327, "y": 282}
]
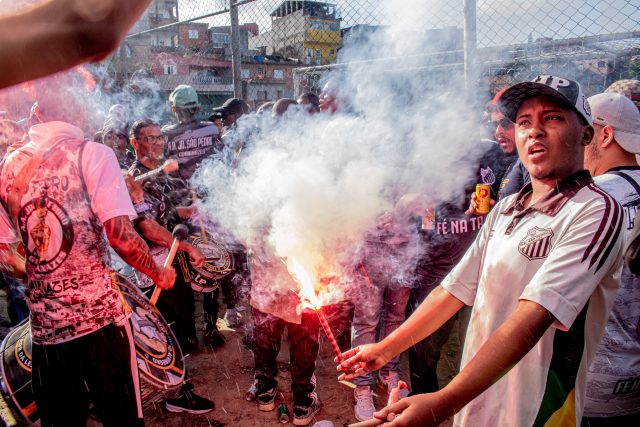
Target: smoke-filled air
[{"x": 315, "y": 187}]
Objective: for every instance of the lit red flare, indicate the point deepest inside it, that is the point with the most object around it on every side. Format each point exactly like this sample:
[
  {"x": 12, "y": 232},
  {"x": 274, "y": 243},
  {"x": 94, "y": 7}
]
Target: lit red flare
[{"x": 329, "y": 334}]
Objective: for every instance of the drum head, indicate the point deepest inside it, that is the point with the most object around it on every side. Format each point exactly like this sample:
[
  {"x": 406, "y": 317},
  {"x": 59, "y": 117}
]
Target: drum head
[
  {"x": 160, "y": 359},
  {"x": 217, "y": 265},
  {"x": 16, "y": 372},
  {"x": 119, "y": 266}
]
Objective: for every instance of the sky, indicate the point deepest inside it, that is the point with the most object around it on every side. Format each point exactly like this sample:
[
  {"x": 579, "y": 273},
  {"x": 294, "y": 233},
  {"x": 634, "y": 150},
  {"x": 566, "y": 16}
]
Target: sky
[{"x": 499, "y": 22}]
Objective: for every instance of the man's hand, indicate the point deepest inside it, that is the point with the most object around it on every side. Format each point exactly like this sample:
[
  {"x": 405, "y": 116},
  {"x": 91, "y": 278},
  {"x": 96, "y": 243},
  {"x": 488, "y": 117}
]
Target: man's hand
[
  {"x": 421, "y": 410},
  {"x": 473, "y": 205},
  {"x": 195, "y": 256},
  {"x": 362, "y": 359},
  {"x": 164, "y": 277}
]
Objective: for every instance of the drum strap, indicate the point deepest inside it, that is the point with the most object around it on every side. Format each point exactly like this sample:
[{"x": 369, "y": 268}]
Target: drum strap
[
  {"x": 20, "y": 185},
  {"x": 22, "y": 181}
]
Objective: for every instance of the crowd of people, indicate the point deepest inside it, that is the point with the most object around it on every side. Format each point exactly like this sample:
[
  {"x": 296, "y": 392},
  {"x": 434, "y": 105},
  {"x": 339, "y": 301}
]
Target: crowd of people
[{"x": 549, "y": 316}]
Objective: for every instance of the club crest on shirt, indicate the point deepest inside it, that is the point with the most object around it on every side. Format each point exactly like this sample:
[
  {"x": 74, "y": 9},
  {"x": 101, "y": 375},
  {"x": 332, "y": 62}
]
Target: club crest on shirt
[
  {"x": 487, "y": 176},
  {"x": 536, "y": 244},
  {"x": 48, "y": 231}
]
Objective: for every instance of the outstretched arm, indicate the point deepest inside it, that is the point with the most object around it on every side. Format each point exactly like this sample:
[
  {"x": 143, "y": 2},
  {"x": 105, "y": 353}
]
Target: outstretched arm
[
  {"x": 506, "y": 347},
  {"x": 159, "y": 235},
  {"x": 60, "y": 34},
  {"x": 439, "y": 307},
  {"x": 135, "y": 252}
]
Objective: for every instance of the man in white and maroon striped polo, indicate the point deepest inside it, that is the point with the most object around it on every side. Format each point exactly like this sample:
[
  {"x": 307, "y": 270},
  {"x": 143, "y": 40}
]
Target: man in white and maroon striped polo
[{"x": 541, "y": 276}]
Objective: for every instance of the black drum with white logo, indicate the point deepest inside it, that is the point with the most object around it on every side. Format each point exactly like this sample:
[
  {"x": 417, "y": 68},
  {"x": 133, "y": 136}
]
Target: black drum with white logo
[
  {"x": 160, "y": 359},
  {"x": 218, "y": 263},
  {"x": 16, "y": 376}
]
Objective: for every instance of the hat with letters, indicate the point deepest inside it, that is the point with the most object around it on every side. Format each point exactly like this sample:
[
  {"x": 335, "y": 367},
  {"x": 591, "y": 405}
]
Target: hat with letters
[{"x": 564, "y": 90}]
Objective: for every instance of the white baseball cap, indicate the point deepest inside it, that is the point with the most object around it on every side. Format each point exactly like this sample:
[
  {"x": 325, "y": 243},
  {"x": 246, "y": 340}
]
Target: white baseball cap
[{"x": 619, "y": 112}]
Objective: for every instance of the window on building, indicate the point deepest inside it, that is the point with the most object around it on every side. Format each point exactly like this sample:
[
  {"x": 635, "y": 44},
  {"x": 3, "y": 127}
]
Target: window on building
[
  {"x": 318, "y": 53},
  {"x": 245, "y": 73},
  {"x": 170, "y": 69},
  {"x": 220, "y": 39},
  {"x": 602, "y": 64},
  {"x": 171, "y": 8},
  {"x": 309, "y": 52},
  {"x": 278, "y": 94},
  {"x": 278, "y": 74},
  {"x": 127, "y": 51},
  {"x": 193, "y": 34}
]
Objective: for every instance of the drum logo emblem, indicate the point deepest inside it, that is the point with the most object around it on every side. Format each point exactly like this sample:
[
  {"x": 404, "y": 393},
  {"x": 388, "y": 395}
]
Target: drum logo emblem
[{"x": 48, "y": 231}]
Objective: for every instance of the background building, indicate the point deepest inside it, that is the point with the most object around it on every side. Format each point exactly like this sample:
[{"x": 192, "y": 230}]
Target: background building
[{"x": 307, "y": 31}]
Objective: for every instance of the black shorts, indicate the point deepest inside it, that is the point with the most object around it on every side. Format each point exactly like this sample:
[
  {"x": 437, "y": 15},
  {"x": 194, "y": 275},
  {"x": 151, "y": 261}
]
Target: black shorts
[{"x": 99, "y": 367}]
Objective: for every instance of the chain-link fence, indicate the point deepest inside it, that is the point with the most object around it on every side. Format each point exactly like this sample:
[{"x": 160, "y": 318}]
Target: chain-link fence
[
  {"x": 284, "y": 48},
  {"x": 262, "y": 50}
]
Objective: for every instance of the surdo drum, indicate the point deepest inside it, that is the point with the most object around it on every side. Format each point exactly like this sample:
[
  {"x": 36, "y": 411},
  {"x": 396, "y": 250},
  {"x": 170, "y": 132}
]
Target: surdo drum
[
  {"x": 160, "y": 359},
  {"x": 16, "y": 375},
  {"x": 218, "y": 264}
]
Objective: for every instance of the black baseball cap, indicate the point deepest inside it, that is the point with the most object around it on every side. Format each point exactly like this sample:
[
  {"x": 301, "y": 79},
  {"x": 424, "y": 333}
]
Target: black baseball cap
[
  {"x": 233, "y": 105},
  {"x": 564, "y": 90}
]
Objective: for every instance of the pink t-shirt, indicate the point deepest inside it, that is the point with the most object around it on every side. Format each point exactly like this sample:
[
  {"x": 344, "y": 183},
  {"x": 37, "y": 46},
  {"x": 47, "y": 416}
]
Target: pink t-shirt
[{"x": 76, "y": 187}]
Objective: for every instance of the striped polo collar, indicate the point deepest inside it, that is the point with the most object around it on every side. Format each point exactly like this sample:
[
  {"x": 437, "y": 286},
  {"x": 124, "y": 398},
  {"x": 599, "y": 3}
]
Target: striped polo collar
[{"x": 555, "y": 199}]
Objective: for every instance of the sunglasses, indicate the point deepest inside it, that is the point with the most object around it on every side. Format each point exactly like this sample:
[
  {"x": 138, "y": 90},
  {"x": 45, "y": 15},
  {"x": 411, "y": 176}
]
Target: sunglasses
[{"x": 504, "y": 123}]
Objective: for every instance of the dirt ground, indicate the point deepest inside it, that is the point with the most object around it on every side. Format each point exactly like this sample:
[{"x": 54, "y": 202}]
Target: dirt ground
[{"x": 223, "y": 375}]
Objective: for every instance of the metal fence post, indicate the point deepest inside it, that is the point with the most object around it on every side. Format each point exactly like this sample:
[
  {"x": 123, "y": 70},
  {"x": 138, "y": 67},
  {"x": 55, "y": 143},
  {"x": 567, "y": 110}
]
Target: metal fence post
[
  {"x": 236, "y": 55},
  {"x": 470, "y": 43}
]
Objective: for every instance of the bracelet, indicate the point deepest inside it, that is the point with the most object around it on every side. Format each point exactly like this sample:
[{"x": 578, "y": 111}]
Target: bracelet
[{"x": 141, "y": 207}]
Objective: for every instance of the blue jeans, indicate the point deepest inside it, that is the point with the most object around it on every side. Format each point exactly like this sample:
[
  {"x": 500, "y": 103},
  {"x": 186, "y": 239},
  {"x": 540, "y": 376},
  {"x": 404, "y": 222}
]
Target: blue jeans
[{"x": 379, "y": 310}]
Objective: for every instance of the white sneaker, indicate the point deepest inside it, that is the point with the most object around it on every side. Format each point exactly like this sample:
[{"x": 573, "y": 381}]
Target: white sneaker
[
  {"x": 390, "y": 380},
  {"x": 233, "y": 318},
  {"x": 364, "y": 407}
]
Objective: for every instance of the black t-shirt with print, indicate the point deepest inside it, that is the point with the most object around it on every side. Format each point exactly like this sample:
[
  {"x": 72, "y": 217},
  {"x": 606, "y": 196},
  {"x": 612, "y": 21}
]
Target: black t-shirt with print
[
  {"x": 163, "y": 193},
  {"x": 453, "y": 231}
]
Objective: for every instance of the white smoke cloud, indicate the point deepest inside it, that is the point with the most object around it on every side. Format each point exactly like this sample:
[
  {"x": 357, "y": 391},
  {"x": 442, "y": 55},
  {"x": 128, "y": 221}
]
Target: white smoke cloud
[{"x": 318, "y": 184}]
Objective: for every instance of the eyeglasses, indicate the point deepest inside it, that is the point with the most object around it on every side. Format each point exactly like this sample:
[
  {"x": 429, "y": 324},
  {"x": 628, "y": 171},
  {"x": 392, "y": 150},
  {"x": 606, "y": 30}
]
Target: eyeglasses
[
  {"x": 504, "y": 123},
  {"x": 151, "y": 139}
]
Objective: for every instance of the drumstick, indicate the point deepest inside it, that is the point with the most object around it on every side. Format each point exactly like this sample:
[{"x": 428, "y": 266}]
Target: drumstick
[
  {"x": 180, "y": 232},
  {"x": 203, "y": 233},
  {"x": 168, "y": 166},
  {"x": 368, "y": 423}
]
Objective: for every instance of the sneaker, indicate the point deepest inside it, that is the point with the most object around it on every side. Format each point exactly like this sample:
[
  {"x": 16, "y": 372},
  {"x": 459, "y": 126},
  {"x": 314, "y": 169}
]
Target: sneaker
[
  {"x": 189, "y": 402},
  {"x": 389, "y": 381},
  {"x": 267, "y": 400},
  {"x": 364, "y": 408},
  {"x": 303, "y": 415},
  {"x": 233, "y": 318},
  {"x": 213, "y": 338}
]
